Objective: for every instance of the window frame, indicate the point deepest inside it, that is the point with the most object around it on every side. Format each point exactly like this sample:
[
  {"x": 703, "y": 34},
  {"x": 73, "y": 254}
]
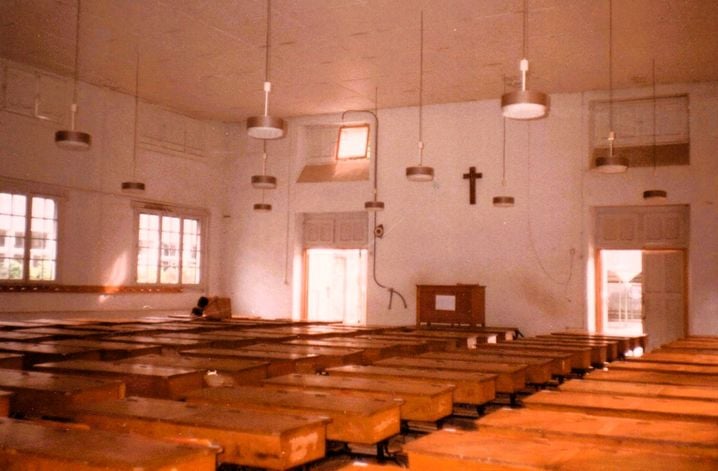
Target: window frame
[
  {"x": 29, "y": 194},
  {"x": 367, "y": 142},
  {"x": 202, "y": 218}
]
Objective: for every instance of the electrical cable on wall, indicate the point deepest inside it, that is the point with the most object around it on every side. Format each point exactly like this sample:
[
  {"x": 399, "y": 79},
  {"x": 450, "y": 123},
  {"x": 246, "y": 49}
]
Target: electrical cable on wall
[
  {"x": 572, "y": 251},
  {"x": 391, "y": 290}
]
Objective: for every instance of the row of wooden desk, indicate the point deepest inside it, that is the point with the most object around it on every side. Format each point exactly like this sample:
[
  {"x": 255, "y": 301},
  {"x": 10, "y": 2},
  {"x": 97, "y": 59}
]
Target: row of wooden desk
[
  {"x": 659, "y": 411},
  {"x": 374, "y": 380}
]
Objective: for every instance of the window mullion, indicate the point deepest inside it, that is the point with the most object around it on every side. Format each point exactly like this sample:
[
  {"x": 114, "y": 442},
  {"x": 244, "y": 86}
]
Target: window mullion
[
  {"x": 28, "y": 239},
  {"x": 181, "y": 252},
  {"x": 159, "y": 252}
]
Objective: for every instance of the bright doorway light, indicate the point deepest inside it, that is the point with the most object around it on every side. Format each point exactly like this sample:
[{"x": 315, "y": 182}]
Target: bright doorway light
[
  {"x": 336, "y": 285},
  {"x": 621, "y": 291}
]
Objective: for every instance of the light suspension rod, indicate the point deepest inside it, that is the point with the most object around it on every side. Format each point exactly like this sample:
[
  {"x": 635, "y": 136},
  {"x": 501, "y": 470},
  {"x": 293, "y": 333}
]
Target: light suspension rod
[
  {"x": 421, "y": 173},
  {"x": 265, "y": 126},
  {"x": 135, "y": 186},
  {"x": 72, "y": 139}
]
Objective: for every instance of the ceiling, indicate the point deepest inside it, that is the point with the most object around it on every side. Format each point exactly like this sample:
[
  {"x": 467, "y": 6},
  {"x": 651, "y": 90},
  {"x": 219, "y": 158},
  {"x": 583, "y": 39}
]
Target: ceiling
[{"x": 206, "y": 58}]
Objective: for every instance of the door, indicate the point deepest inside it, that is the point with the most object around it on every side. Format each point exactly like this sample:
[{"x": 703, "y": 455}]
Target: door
[
  {"x": 336, "y": 285},
  {"x": 663, "y": 296}
]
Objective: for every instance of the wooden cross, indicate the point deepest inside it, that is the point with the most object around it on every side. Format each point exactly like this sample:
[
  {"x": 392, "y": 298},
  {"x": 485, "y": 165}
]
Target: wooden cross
[{"x": 472, "y": 176}]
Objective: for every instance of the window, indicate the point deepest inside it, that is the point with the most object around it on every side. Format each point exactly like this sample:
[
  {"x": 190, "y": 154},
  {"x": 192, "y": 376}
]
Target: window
[
  {"x": 28, "y": 246},
  {"x": 169, "y": 249},
  {"x": 353, "y": 142}
]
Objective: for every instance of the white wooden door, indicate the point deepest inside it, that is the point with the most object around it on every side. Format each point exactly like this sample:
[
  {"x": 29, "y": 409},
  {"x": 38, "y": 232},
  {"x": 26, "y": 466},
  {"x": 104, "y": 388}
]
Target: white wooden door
[{"x": 663, "y": 296}]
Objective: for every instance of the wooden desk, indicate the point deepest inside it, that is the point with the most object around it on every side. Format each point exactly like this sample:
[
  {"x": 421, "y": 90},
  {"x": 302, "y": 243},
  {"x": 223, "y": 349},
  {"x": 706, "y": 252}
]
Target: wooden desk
[
  {"x": 169, "y": 343},
  {"x": 108, "y": 350},
  {"x": 5, "y": 403},
  {"x": 623, "y": 344},
  {"x": 641, "y": 389},
  {"x": 653, "y": 377},
  {"x": 280, "y": 363},
  {"x": 25, "y": 445},
  {"x": 678, "y": 358},
  {"x": 10, "y": 360},
  {"x": 217, "y": 372},
  {"x": 36, "y": 394},
  {"x": 538, "y": 370},
  {"x": 141, "y": 380},
  {"x": 673, "y": 368},
  {"x": 625, "y": 406},
  {"x": 596, "y": 354},
  {"x": 450, "y": 304},
  {"x": 328, "y": 356},
  {"x": 40, "y": 353},
  {"x": 353, "y": 419},
  {"x": 510, "y": 379},
  {"x": 421, "y": 401},
  {"x": 580, "y": 357},
  {"x": 658, "y": 436},
  {"x": 611, "y": 346},
  {"x": 247, "y": 438},
  {"x": 560, "y": 362},
  {"x": 373, "y": 349},
  {"x": 475, "y": 389},
  {"x": 449, "y": 450},
  {"x": 60, "y": 332}
]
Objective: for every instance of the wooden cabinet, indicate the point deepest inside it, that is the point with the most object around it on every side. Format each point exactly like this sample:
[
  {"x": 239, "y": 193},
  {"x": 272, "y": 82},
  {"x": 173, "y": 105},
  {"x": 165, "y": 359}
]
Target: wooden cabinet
[{"x": 450, "y": 304}]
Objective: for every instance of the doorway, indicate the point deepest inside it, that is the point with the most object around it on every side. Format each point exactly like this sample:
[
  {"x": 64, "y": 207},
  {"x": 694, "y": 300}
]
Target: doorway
[
  {"x": 642, "y": 292},
  {"x": 336, "y": 282}
]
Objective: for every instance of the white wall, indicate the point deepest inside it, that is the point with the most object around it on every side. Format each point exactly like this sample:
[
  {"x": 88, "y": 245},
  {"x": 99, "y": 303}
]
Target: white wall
[
  {"x": 96, "y": 219},
  {"x": 532, "y": 257}
]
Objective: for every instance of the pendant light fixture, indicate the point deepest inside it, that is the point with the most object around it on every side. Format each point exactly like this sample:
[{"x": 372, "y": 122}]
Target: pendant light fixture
[
  {"x": 611, "y": 164},
  {"x": 262, "y": 207},
  {"x": 264, "y": 181},
  {"x": 373, "y": 205},
  {"x": 266, "y": 127},
  {"x": 134, "y": 186},
  {"x": 524, "y": 104},
  {"x": 420, "y": 173},
  {"x": 72, "y": 139},
  {"x": 654, "y": 195},
  {"x": 503, "y": 201}
]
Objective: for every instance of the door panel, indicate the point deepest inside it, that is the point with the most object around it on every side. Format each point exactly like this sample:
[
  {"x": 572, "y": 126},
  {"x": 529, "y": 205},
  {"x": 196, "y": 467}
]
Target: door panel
[{"x": 663, "y": 296}]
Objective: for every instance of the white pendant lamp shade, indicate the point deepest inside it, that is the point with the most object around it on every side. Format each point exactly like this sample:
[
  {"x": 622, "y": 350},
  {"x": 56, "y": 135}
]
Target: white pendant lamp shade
[
  {"x": 266, "y": 127},
  {"x": 611, "y": 164},
  {"x": 503, "y": 201},
  {"x": 133, "y": 187},
  {"x": 524, "y": 104},
  {"x": 262, "y": 207},
  {"x": 266, "y": 182},
  {"x": 655, "y": 195},
  {"x": 420, "y": 173},
  {"x": 72, "y": 139},
  {"x": 374, "y": 206}
]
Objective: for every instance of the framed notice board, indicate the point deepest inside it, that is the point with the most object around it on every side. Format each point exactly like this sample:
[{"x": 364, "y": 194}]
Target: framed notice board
[{"x": 450, "y": 304}]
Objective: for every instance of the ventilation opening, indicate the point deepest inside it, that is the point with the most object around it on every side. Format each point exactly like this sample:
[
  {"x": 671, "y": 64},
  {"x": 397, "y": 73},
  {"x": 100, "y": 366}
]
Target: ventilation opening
[
  {"x": 326, "y": 157},
  {"x": 633, "y": 125}
]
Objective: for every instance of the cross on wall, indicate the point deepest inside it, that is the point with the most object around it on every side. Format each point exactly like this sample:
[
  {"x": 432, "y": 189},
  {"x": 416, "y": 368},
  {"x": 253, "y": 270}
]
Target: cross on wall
[{"x": 472, "y": 176}]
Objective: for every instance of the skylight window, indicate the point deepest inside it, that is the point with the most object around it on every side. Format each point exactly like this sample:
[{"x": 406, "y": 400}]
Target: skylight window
[{"x": 353, "y": 142}]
